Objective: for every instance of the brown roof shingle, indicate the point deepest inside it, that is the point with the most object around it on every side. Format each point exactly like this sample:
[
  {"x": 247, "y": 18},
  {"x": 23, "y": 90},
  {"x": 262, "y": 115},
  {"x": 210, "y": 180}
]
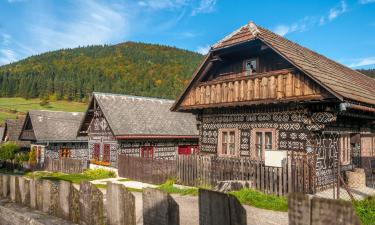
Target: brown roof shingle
[{"x": 338, "y": 79}]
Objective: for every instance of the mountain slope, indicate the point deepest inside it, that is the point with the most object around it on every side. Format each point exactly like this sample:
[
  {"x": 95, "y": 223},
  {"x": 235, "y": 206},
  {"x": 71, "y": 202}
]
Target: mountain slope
[{"x": 128, "y": 68}]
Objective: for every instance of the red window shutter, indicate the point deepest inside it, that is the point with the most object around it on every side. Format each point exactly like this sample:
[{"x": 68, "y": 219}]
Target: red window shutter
[
  {"x": 107, "y": 153},
  {"x": 147, "y": 152},
  {"x": 96, "y": 151}
]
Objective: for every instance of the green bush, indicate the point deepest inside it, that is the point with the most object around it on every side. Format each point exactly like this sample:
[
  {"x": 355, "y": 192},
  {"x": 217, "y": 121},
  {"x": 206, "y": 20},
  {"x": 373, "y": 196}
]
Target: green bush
[
  {"x": 96, "y": 174},
  {"x": 365, "y": 210},
  {"x": 22, "y": 157},
  {"x": 8, "y": 151},
  {"x": 169, "y": 187}
]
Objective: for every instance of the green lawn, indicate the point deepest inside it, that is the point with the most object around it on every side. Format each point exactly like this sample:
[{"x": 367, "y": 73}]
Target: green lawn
[
  {"x": 365, "y": 209},
  {"x": 9, "y": 107},
  {"x": 260, "y": 200}
]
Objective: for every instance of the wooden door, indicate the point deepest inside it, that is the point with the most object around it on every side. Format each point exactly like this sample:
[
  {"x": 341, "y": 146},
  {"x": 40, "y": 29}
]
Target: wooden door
[
  {"x": 147, "y": 152},
  {"x": 96, "y": 151}
]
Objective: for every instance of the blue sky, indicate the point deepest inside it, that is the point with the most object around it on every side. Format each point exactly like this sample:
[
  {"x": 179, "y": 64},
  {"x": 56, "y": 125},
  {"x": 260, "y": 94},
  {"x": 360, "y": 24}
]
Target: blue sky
[{"x": 341, "y": 30}]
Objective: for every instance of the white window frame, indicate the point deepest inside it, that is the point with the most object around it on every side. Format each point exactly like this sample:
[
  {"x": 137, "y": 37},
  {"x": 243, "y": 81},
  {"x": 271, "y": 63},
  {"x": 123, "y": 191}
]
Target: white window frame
[{"x": 220, "y": 142}]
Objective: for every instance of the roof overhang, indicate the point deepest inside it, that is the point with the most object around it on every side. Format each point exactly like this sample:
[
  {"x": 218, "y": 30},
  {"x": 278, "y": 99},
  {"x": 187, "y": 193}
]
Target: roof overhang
[{"x": 140, "y": 136}]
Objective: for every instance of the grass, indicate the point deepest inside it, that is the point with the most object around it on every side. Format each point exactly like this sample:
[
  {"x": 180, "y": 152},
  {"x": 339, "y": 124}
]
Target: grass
[
  {"x": 124, "y": 179},
  {"x": 169, "y": 188},
  {"x": 10, "y": 107},
  {"x": 76, "y": 178},
  {"x": 104, "y": 186},
  {"x": 261, "y": 200},
  {"x": 365, "y": 210}
]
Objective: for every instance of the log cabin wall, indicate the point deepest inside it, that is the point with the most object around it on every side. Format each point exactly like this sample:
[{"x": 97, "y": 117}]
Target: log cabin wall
[
  {"x": 290, "y": 132},
  {"x": 77, "y": 150}
]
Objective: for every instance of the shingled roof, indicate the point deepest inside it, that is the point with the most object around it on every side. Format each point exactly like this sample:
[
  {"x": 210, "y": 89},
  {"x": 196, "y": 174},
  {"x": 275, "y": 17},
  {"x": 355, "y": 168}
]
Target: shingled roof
[
  {"x": 133, "y": 115},
  {"x": 342, "y": 81},
  {"x": 55, "y": 126},
  {"x": 13, "y": 128}
]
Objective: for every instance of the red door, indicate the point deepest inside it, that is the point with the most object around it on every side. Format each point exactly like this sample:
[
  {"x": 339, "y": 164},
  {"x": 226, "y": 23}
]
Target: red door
[
  {"x": 96, "y": 151},
  {"x": 107, "y": 153},
  {"x": 147, "y": 152}
]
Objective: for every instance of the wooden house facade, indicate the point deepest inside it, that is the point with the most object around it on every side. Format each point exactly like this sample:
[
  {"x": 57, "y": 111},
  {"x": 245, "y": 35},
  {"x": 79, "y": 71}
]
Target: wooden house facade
[
  {"x": 53, "y": 134},
  {"x": 257, "y": 92},
  {"x": 136, "y": 126}
]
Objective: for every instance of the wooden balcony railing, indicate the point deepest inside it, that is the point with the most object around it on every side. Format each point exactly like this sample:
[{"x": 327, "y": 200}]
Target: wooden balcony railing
[{"x": 272, "y": 86}]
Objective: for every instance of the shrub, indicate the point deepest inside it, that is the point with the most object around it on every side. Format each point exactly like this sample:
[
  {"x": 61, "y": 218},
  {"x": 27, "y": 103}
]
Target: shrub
[
  {"x": 32, "y": 156},
  {"x": 365, "y": 210},
  {"x": 96, "y": 174},
  {"x": 8, "y": 151},
  {"x": 22, "y": 157}
]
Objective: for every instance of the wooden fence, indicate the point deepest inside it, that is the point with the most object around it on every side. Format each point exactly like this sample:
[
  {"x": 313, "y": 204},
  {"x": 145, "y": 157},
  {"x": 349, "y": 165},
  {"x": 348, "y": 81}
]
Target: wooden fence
[
  {"x": 197, "y": 170},
  {"x": 65, "y": 165},
  {"x": 154, "y": 171},
  {"x": 294, "y": 176}
]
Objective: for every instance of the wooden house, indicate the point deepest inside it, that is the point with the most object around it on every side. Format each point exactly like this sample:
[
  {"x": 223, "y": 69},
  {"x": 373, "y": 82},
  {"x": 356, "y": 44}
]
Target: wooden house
[
  {"x": 256, "y": 93},
  {"x": 54, "y": 134},
  {"x": 11, "y": 132},
  {"x": 136, "y": 126}
]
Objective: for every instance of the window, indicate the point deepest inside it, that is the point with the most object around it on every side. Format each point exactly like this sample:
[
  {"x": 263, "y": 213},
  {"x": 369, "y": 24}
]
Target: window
[
  {"x": 96, "y": 151},
  {"x": 228, "y": 142},
  {"x": 107, "y": 153},
  {"x": 64, "y": 153},
  {"x": 251, "y": 66},
  {"x": 264, "y": 140},
  {"x": 147, "y": 152},
  {"x": 345, "y": 154},
  {"x": 187, "y": 149}
]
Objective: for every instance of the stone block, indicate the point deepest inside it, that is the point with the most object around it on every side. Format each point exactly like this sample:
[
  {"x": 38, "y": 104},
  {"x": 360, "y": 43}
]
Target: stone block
[
  {"x": 159, "y": 208},
  {"x": 1, "y": 186},
  {"x": 5, "y": 186},
  {"x": 33, "y": 193},
  {"x": 64, "y": 192},
  {"x": 39, "y": 194},
  {"x": 15, "y": 195},
  {"x": 299, "y": 209},
  {"x": 24, "y": 187},
  {"x": 216, "y": 208},
  {"x": 50, "y": 197},
  {"x": 90, "y": 204},
  {"x": 74, "y": 205},
  {"x": 120, "y": 205}
]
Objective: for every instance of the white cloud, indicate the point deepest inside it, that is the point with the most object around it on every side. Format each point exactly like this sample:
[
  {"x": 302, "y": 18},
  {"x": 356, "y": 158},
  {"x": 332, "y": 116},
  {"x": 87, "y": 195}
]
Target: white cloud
[
  {"x": 162, "y": 4},
  {"x": 363, "y": 2},
  {"x": 203, "y": 49},
  {"x": 5, "y": 39},
  {"x": 7, "y": 56},
  {"x": 205, "y": 6},
  {"x": 335, "y": 12},
  {"x": 93, "y": 23},
  {"x": 362, "y": 62}
]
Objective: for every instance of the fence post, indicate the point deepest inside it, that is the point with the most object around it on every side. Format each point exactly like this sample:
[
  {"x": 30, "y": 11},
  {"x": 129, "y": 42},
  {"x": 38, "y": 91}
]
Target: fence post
[
  {"x": 120, "y": 205},
  {"x": 50, "y": 197},
  {"x": 216, "y": 208},
  {"x": 24, "y": 188},
  {"x": 90, "y": 204},
  {"x": 5, "y": 185},
  {"x": 299, "y": 211},
  {"x": 15, "y": 195},
  {"x": 159, "y": 208}
]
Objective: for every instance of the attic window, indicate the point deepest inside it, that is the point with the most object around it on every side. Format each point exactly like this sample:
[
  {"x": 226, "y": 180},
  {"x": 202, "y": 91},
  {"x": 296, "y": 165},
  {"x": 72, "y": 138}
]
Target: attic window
[{"x": 251, "y": 66}]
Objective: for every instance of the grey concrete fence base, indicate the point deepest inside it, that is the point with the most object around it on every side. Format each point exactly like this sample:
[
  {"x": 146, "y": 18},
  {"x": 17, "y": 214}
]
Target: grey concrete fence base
[
  {"x": 304, "y": 210},
  {"x": 120, "y": 205},
  {"x": 90, "y": 204},
  {"x": 216, "y": 208},
  {"x": 159, "y": 208}
]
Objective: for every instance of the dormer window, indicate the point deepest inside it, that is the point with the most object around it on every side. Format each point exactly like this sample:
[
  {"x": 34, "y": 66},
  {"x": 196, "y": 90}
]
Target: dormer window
[{"x": 251, "y": 66}]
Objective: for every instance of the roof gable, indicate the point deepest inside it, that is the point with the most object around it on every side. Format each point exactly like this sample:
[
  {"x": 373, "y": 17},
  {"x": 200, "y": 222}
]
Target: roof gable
[
  {"x": 132, "y": 115},
  {"x": 339, "y": 80}
]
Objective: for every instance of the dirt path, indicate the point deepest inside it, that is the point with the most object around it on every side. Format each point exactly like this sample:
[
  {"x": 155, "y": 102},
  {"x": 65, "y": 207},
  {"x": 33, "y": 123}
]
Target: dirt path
[{"x": 189, "y": 214}]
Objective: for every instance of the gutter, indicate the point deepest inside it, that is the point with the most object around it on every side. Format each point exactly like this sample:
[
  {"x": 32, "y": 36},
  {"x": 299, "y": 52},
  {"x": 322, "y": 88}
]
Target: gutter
[{"x": 346, "y": 105}]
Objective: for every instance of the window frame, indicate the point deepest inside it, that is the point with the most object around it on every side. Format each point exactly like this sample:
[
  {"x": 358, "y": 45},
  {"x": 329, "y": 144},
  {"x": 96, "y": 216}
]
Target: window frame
[
  {"x": 247, "y": 72},
  {"x": 345, "y": 149},
  {"x": 228, "y": 143},
  {"x": 254, "y": 147},
  {"x": 106, "y": 152}
]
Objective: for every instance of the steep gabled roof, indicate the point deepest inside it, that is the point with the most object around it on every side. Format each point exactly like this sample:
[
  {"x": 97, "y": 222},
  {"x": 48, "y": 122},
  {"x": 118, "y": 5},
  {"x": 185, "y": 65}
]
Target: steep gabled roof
[
  {"x": 13, "y": 128},
  {"x": 133, "y": 115},
  {"x": 338, "y": 79},
  {"x": 54, "y": 125}
]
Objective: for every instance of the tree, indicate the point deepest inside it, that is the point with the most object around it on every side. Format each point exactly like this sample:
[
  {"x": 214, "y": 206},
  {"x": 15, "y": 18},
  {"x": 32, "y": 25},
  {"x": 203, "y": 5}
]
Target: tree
[{"x": 8, "y": 151}]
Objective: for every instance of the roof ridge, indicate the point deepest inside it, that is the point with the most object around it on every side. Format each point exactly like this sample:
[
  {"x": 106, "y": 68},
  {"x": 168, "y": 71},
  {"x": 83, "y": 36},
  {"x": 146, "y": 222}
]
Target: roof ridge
[
  {"x": 43, "y": 110},
  {"x": 228, "y": 36},
  {"x": 134, "y": 96}
]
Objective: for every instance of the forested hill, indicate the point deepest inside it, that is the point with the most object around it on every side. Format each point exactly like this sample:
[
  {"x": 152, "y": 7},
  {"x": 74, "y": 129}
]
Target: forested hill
[
  {"x": 369, "y": 72},
  {"x": 128, "y": 68}
]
